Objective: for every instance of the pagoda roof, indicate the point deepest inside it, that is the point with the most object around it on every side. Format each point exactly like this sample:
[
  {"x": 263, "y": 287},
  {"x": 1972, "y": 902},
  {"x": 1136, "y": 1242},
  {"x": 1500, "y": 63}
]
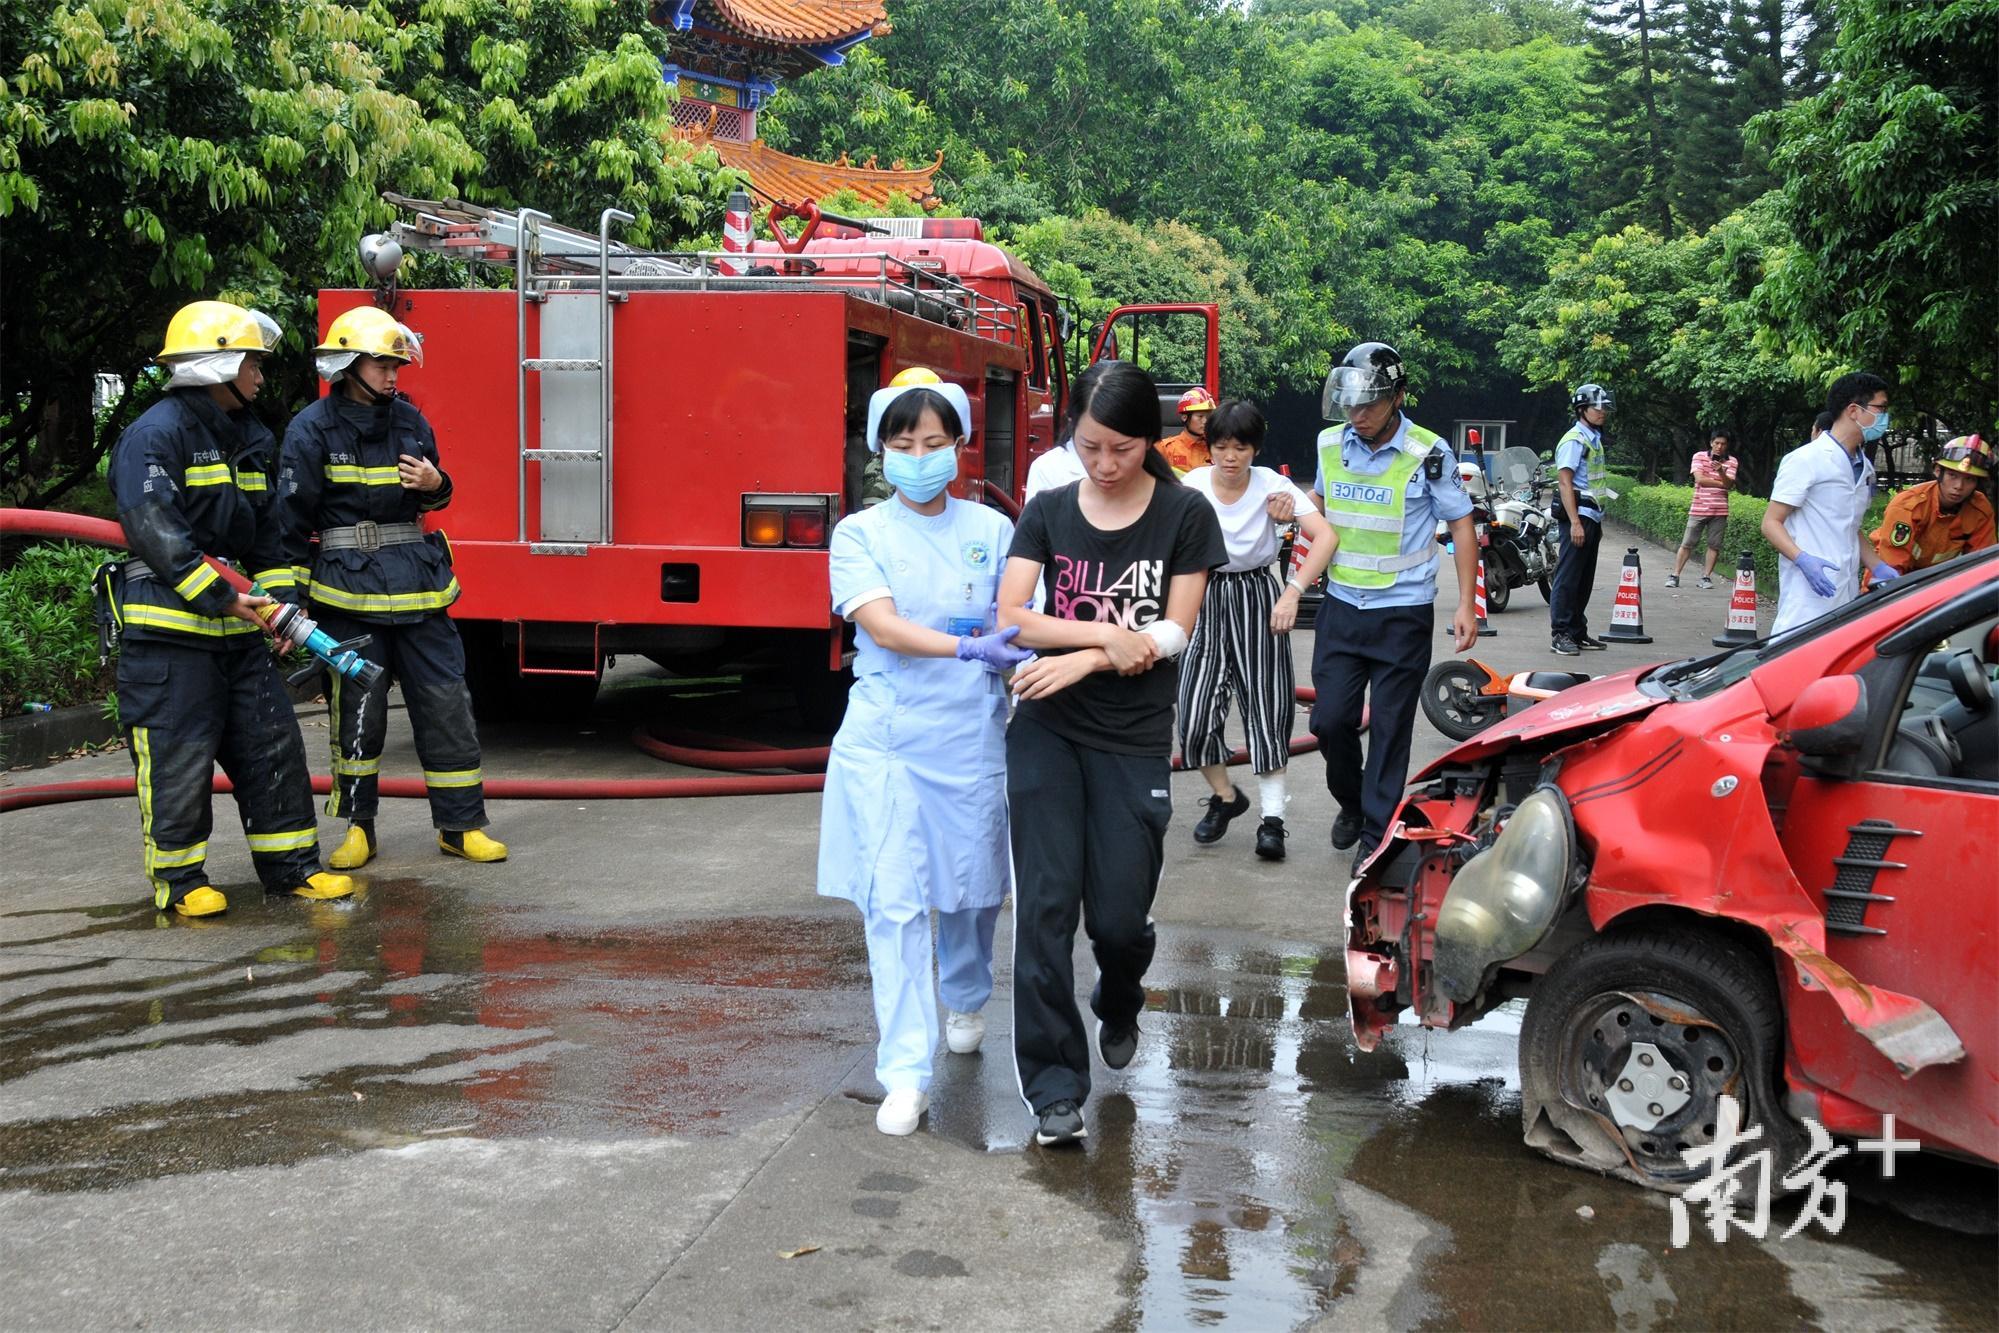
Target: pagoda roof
[
  {"x": 795, "y": 22},
  {"x": 796, "y": 178}
]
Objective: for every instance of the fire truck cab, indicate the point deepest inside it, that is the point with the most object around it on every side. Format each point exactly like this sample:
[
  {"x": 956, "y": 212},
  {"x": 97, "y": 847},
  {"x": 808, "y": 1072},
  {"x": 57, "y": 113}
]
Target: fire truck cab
[{"x": 649, "y": 450}]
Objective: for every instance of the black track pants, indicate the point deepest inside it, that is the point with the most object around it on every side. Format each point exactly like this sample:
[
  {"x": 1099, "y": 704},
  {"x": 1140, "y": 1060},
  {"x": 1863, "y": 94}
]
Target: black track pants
[
  {"x": 1089, "y": 835},
  {"x": 427, "y": 658},
  {"x": 184, "y": 710},
  {"x": 1575, "y": 579}
]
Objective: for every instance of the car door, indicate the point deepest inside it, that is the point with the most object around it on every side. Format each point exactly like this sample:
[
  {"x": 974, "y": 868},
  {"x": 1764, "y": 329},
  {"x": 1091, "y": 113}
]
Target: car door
[{"x": 1899, "y": 854}]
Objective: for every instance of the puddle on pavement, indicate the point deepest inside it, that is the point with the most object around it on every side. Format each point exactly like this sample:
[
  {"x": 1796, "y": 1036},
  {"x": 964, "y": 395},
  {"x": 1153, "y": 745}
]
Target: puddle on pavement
[
  {"x": 1263, "y": 1168},
  {"x": 405, "y": 1015}
]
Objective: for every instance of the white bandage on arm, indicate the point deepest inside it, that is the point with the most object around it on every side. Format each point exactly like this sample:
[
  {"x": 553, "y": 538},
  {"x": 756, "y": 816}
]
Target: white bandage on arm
[{"x": 1172, "y": 640}]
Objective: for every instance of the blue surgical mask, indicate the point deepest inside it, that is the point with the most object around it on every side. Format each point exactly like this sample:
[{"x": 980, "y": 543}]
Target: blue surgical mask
[
  {"x": 1878, "y": 428},
  {"x": 920, "y": 479}
]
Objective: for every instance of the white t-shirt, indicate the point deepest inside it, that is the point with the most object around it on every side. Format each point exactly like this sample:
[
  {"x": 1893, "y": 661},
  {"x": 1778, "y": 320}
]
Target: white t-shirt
[
  {"x": 1829, "y": 500},
  {"x": 1058, "y": 467},
  {"x": 1247, "y": 528}
]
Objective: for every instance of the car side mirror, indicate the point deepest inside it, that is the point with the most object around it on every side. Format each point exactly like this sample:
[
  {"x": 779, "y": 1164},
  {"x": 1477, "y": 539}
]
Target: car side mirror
[{"x": 1829, "y": 718}]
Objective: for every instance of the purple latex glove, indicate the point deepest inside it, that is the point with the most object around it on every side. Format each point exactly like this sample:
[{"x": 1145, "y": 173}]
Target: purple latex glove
[
  {"x": 1883, "y": 571},
  {"x": 995, "y": 650},
  {"x": 1818, "y": 573}
]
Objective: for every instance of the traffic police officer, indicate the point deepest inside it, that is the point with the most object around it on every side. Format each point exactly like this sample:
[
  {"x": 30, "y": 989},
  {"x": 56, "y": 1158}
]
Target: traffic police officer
[
  {"x": 360, "y": 469},
  {"x": 1928, "y": 524},
  {"x": 1578, "y": 464},
  {"x": 196, "y": 683},
  {"x": 1384, "y": 482}
]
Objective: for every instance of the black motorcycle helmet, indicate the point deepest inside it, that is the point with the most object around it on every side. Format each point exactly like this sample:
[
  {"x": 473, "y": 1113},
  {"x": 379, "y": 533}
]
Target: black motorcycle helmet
[
  {"x": 1591, "y": 395},
  {"x": 1369, "y": 372}
]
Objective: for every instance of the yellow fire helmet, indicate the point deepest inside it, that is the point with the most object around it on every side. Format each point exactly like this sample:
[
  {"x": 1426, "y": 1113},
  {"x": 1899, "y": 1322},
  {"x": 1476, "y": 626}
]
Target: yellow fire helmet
[
  {"x": 369, "y": 331},
  {"x": 217, "y": 326},
  {"x": 915, "y": 375},
  {"x": 1967, "y": 454}
]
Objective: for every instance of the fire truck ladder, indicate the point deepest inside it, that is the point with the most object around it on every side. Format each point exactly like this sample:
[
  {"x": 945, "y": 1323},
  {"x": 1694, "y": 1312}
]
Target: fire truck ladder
[{"x": 553, "y": 267}]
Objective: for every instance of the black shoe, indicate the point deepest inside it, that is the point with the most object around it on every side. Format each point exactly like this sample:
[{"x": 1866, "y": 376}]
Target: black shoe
[
  {"x": 1346, "y": 829},
  {"x": 1061, "y": 1124},
  {"x": 1589, "y": 645},
  {"x": 1216, "y": 822},
  {"x": 1567, "y": 647},
  {"x": 1117, "y": 1044},
  {"x": 1270, "y": 838}
]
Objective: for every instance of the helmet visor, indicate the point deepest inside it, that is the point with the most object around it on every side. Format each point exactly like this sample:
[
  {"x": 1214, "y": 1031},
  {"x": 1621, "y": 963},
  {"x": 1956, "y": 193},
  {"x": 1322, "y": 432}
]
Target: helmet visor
[
  {"x": 1964, "y": 458},
  {"x": 1352, "y": 386}
]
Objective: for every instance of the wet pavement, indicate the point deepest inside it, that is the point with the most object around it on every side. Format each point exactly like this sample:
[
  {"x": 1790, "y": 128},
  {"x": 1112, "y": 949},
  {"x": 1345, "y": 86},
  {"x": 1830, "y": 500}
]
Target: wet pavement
[{"x": 615, "y": 1081}]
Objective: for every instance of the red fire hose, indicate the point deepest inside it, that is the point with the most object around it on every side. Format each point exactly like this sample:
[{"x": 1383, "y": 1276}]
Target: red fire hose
[{"x": 694, "y": 750}]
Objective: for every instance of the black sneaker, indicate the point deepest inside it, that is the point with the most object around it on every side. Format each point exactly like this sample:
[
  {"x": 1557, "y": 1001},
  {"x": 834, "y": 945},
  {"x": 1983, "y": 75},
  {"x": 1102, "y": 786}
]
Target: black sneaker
[
  {"x": 1346, "y": 829},
  {"x": 1117, "y": 1044},
  {"x": 1589, "y": 645},
  {"x": 1216, "y": 822},
  {"x": 1270, "y": 838},
  {"x": 1061, "y": 1124},
  {"x": 1566, "y": 646}
]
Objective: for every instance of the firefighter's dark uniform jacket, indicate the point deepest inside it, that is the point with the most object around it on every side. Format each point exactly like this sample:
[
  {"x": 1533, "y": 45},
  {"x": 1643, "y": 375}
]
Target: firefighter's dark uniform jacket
[
  {"x": 338, "y": 476},
  {"x": 196, "y": 684}
]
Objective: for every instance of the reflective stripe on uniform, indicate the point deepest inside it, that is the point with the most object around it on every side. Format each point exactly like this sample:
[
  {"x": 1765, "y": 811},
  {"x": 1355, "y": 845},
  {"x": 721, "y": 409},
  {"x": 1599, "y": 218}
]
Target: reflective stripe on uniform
[
  {"x": 209, "y": 474},
  {"x": 281, "y": 577},
  {"x": 342, "y": 600},
  {"x": 355, "y": 768},
  {"x": 292, "y": 841},
  {"x": 464, "y": 777},
  {"x": 186, "y": 856},
  {"x": 198, "y": 579},
  {"x": 252, "y": 481},
  {"x": 350, "y": 474},
  {"x": 184, "y": 622},
  {"x": 142, "y": 751},
  {"x": 1387, "y": 564}
]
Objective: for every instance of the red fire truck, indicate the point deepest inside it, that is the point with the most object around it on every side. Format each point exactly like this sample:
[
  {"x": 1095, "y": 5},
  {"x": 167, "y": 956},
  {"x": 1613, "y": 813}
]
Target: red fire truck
[{"x": 649, "y": 450}]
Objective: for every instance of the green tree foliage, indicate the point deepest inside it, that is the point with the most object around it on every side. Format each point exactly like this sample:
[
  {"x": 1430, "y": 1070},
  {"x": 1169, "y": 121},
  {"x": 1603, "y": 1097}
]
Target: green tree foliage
[
  {"x": 1889, "y": 188},
  {"x": 153, "y": 154},
  {"x": 48, "y": 636},
  {"x": 1668, "y": 323}
]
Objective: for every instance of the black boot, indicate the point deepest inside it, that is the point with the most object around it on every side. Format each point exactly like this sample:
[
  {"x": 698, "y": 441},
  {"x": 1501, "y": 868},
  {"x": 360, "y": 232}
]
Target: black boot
[
  {"x": 1346, "y": 829},
  {"x": 1220, "y": 811},
  {"x": 1270, "y": 838}
]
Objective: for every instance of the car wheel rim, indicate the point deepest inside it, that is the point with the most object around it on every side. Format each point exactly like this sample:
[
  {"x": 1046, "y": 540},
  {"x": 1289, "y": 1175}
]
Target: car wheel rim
[{"x": 1652, "y": 1070}]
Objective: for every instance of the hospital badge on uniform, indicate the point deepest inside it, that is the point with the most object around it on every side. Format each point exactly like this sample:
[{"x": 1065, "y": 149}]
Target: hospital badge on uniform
[{"x": 978, "y": 554}]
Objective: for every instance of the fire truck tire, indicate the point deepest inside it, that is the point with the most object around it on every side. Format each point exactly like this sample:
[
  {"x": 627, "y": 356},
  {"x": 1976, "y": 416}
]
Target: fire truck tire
[
  {"x": 1704, "y": 1004},
  {"x": 1498, "y": 592}
]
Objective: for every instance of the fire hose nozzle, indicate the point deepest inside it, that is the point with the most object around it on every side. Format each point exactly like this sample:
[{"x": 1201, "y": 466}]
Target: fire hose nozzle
[{"x": 295, "y": 627}]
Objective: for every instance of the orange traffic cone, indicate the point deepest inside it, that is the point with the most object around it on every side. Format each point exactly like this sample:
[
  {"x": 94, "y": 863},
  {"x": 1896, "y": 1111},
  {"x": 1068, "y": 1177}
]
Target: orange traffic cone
[
  {"x": 1741, "y": 606},
  {"x": 1627, "y": 617}
]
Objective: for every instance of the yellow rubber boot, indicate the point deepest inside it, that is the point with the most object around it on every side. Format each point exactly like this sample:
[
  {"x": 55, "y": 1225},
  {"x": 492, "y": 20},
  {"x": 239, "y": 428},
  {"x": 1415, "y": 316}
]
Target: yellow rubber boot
[
  {"x": 355, "y": 851},
  {"x": 324, "y": 885},
  {"x": 473, "y": 845},
  {"x": 203, "y": 901}
]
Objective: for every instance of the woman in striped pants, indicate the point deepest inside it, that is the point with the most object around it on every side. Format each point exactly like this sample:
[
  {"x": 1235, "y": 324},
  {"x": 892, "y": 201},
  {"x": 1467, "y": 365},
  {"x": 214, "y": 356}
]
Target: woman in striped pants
[{"x": 1241, "y": 645}]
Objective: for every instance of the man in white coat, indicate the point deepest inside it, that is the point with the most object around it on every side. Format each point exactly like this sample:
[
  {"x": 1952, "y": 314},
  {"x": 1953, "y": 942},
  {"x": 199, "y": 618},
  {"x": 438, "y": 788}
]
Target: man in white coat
[{"x": 1819, "y": 503}]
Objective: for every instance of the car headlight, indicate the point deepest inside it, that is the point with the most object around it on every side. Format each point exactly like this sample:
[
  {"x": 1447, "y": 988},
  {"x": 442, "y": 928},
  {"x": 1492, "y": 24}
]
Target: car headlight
[{"x": 1505, "y": 899}]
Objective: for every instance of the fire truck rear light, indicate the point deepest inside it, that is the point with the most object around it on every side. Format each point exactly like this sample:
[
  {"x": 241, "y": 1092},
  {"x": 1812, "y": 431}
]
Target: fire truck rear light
[
  {"x": 763, "y": 527},
  {"x": 805, "y": 527}
]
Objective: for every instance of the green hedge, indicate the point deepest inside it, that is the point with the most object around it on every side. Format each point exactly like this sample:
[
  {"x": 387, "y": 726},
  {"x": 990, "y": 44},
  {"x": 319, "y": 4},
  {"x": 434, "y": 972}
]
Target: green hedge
[
  {"x": 48, "y": 637},
  {"x": 1660, "y": 512}
]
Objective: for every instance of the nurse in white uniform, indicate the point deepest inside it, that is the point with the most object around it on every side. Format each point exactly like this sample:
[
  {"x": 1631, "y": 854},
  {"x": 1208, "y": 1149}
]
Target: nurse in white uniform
[{"x": 914, "y": 818}]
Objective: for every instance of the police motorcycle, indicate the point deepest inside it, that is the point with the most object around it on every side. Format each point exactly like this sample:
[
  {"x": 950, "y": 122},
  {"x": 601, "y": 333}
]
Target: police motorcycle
[{"x": 1521, "y": 535}]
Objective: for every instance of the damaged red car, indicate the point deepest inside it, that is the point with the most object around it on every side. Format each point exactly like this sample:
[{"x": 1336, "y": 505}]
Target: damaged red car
[{"x": 1766, "y": 873}]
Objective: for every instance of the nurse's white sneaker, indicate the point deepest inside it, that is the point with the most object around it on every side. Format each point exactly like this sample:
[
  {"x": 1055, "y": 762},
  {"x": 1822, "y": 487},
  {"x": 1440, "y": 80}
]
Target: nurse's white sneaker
[
  {"x": 963, "y": 1032},
  {"x": 900, "y": 1111}
]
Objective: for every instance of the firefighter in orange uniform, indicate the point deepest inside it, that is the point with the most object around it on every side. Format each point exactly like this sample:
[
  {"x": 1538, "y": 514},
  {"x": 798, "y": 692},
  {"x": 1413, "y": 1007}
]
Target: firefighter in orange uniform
[
  {"x": 1189, "y": 449},
  {"x": 1928, "y": 524}
]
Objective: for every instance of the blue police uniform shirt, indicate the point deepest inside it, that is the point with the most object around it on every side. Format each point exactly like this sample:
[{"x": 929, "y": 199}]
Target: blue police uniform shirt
[
  {"x": 1573, "y": 453},
  {"x": 1428, "y": 503}
]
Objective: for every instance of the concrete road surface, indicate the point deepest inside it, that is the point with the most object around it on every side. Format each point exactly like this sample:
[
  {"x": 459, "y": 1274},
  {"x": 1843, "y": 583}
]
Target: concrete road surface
[{"x": 624, "y": 1081}]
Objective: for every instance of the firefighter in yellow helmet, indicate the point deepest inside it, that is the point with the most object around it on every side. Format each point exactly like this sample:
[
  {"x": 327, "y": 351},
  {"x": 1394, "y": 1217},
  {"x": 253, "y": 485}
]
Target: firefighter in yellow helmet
[
  {"x": 1948, "y": 516},
  {"x": 196, "y": 684},
  {"x": 360, "y": 471},
  {"x": 1189, "y": 449}
]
